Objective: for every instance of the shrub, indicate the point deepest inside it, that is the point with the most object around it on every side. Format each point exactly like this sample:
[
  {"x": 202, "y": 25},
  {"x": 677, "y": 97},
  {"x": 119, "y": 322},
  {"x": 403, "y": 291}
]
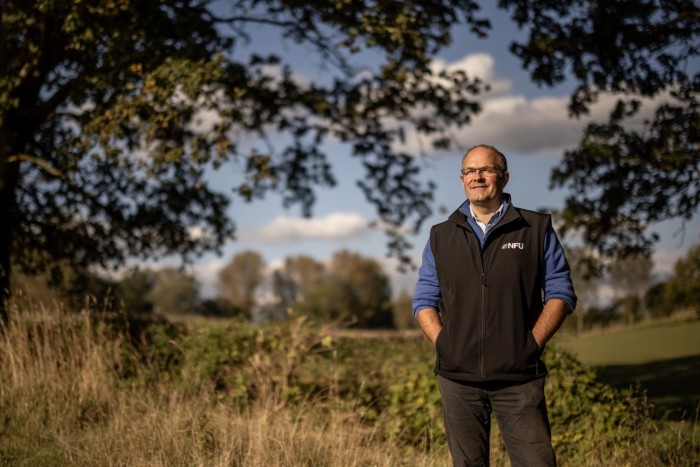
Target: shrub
[{"x": 73, "y": 385}]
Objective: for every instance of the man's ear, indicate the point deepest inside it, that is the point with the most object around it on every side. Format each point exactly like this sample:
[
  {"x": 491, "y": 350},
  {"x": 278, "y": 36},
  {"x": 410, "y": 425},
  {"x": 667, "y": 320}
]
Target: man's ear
[{"x": 504, "y": 179}]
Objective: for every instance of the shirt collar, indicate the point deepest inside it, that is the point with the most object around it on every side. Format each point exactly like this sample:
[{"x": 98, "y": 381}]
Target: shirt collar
[{"x": 496, "y": 215}]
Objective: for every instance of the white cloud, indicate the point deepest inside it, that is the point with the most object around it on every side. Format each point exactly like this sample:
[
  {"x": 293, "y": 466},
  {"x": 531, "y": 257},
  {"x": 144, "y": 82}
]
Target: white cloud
[
  {"x": 515, "y": 123},
  {"x": 478, "y": 65},
  {"x": 197, "y": 232},
  {"x": 665, "y": 260},
  {"x": 334, "y": 226},
  {"x": 204, "y": 120},
  {"x": 207, "y": 275}
]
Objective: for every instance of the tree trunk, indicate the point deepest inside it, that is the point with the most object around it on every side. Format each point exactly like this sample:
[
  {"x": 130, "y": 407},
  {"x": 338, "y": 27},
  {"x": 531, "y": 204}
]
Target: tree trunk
[{"x": 9, "y": 175}]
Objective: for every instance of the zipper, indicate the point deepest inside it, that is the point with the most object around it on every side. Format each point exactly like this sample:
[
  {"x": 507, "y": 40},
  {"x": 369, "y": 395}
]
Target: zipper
[
  {"x": 483, "y": 321},
  {"x": 484, "y": 285}
]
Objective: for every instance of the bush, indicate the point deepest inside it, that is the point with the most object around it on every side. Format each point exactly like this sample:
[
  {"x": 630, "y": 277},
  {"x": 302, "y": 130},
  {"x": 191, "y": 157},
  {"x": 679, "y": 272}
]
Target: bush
[
  {"x": 71, "y": 382},
  {"x": 588, "y": 417}
]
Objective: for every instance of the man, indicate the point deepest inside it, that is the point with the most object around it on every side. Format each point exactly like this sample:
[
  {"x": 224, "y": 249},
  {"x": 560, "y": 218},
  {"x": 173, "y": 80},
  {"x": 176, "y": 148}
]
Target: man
[{"x": 493, "y": 288}]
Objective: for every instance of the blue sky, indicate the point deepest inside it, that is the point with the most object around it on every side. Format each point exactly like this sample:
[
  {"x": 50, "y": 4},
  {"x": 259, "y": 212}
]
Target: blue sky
[{"x": 529, "y": 124}]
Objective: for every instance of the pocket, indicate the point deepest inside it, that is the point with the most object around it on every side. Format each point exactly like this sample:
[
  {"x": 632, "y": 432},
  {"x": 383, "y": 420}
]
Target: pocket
[
  {"x": 533, "y": 349},
  {"x": 441, "y": 348},
  {"x": 438, "y": 339}
]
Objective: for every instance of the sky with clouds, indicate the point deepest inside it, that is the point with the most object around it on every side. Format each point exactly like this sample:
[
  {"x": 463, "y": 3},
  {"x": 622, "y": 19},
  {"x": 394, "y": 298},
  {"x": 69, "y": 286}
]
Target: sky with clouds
[{"x": 529, "y": 124}]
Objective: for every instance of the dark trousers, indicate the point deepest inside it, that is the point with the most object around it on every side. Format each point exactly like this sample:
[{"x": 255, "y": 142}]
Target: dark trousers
[{"x": 521, "y": 413}]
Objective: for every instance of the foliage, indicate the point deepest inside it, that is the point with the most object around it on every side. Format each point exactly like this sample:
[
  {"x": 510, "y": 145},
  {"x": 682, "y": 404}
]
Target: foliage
[
  {"x": 111, "y": 113},
  {"x": 586, "y": 280},
  {"x": 304, "y": 272},
  {"x": 239, "y": 280},
  {"x": 623, "y": 176},
  {"x": 326, "y": 302},
  {"x": 89, "y": 388},
  {"x": 63, "y": 403},
  {"x": 174, "y": 292},
  {"x": 587, "y": 415},
  {"x": 219, "y": 307},
  {"x": 682, "y": 290},
  {"x": 402, "y": 307},
  {"x": 630, "y": 278},
  {"x": 679, "y": 293},
  {"x": 369, "y": 292},
  {"x": 414, "y": 412},
  {"x": 134, "y": 290},
  {"x": 353, "y": 290}
]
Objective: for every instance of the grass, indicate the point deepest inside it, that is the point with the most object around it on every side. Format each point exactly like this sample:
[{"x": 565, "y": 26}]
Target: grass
[
  {"x": 635, "y": 345},
  {"x": 74, "y": 392},
  {"x": 662, "y": 359},
  {"x": 65, "y": 400}
]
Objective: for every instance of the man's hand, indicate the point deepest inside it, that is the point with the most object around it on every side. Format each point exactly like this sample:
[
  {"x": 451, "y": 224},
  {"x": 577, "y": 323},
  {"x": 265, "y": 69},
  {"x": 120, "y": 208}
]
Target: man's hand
[
  {"x": 429, "y": 321},
  {"x": 551, "y": 318}
]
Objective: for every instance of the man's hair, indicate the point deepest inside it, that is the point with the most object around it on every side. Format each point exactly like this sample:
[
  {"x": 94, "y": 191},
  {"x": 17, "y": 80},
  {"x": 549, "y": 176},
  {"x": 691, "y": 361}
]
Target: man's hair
[{"x": 502, "y": 162}]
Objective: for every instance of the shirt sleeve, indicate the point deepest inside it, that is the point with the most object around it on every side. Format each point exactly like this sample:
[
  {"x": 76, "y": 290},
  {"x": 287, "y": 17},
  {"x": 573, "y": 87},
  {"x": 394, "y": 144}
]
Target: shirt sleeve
[
  {"x": 427, "y": 293},
  {"x": 557, "y": 274}
]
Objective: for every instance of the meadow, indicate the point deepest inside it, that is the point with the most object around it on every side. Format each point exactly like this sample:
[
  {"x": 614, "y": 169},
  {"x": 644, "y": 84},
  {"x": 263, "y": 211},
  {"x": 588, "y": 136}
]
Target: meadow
[
  {"x": 97, "y": 388},
  {"x": 662, "y": 359}
]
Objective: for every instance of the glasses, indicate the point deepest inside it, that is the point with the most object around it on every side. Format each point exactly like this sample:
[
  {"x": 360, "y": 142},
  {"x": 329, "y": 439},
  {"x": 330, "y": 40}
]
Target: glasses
[{"x": 487, "y": 171}]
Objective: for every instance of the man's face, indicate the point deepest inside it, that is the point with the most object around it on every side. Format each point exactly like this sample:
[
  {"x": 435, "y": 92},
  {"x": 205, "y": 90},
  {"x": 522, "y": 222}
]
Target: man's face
[{"x": 483, "y": 187}]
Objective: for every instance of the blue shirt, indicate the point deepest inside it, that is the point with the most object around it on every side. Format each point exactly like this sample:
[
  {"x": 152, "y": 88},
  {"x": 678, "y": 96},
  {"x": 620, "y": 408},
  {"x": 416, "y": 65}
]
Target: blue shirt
[
  {"x": 557, "y": 281},
  {"x": 494, "y": 218}
]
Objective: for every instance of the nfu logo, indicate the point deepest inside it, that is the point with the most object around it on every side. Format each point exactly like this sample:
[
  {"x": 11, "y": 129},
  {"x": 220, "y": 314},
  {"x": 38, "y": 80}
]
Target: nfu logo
[{"x": 513, "y": 246}]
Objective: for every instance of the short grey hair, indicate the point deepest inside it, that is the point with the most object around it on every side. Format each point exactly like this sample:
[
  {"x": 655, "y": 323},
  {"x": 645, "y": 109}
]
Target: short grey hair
[{"x": 502, "y": 163}]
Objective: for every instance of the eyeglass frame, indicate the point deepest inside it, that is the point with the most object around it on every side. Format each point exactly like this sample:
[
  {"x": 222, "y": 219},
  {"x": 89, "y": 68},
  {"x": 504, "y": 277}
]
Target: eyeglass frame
[{"x": 486, "y": 169}]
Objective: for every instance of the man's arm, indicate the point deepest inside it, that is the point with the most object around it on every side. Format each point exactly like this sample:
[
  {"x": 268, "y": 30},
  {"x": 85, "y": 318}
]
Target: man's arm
[
  {"x": 557, "y": 274},
  {"x": 553, "y": 315},
  {"x": 427, "y": 294},
  {"x": 429, "y": 321}
]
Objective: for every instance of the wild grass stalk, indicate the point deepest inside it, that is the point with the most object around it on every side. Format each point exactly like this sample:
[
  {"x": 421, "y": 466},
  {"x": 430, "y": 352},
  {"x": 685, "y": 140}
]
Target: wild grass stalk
[
  {"x": 64, "y": 403},
  {"x": 75, "y": 392}
]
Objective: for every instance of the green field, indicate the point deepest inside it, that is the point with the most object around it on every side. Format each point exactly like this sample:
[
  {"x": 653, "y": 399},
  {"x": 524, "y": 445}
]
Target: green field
[{"x": 662, "y": 358}]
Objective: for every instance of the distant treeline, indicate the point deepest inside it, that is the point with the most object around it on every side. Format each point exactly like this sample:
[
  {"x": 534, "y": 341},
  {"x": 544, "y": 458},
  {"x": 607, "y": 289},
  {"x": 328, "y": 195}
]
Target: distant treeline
[{"x": 353, "y": 290}]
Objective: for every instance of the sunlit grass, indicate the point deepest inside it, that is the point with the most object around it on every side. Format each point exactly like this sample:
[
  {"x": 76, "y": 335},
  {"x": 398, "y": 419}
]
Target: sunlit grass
[
  {"x": 63, "y": 402},
  {"x": 638, "y": 344},
  {"x": 75, "y": 392}
]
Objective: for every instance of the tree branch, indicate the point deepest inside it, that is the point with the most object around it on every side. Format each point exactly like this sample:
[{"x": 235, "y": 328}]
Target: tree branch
[{"x": 37, "y": 161}]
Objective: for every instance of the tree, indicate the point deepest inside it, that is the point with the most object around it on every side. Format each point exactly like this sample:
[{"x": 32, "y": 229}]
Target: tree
[
  {"x": 284, "y": 291},
  {"x": 103, "y": 150},
  {"x": 352, "y": 290},
  {"x": 174, "y": 292},
  {"x": 402, "y": 306},
  {"x": 304, "y": 272},
  {"x": 631, "y": 278},
  {"x": 62, "y": 286},
  {"x": 623, "y": 177},
  {"x": 586, "y": 278},
  {"x": 298, "y": 281},
  {"x": 682, "y": 290},
  {"x": 133, "y": 291},
  {"x": 326, "y": 301},
  {"x": 239, "y": 280},
  {"x": 655, "y": 301},
  {"x": 369, "y": 291}
]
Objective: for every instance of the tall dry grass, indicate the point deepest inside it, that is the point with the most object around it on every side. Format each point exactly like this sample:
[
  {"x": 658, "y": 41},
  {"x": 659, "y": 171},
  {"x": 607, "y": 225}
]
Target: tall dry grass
[
  {"x": 75, "y": 392},
  {"x": 64, "y": 401}
]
